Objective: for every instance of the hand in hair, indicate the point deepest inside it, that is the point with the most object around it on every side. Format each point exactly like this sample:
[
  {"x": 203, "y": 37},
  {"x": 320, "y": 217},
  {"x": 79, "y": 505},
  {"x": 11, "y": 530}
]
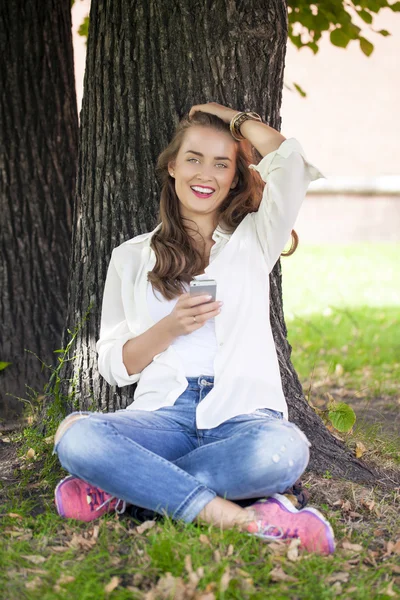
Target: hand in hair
[
  {"x": 181, "y": 321},
  {"x": 223, "y": 112}
]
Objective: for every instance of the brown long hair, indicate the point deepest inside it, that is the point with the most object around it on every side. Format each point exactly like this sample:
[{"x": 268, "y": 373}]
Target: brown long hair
[{"x": 177, "y": 258}]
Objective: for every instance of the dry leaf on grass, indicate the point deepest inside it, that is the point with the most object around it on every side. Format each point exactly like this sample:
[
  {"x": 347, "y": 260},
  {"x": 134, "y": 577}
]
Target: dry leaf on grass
[
  {"x": 217, "y": 556},
  {"x": 342, "y": 577},
  {"x": 392, "y": 548},
  {"x": 360, "y": 449},
  {"x": 23, "y": 535},
  {"x": 145, "y": 526},
  {"x": 80, "y": 542},
  {"x": 203, "y": 539},
  {"x": 293, "y": 550},
  {"x": 31, "y": 453},
  {"x": 64, "y": 579},
  {"x": 349, "y": 546},
  {"x": 225, "y": 579},
  {"x": 33, "y": 584},
  {"x": 207, "y": 596},
  {"x": 59, "y": 548},
  {"x": 34, "y": 558},
  {"x": 389, "y": 590},
  {"x": 169, "y": 587},
  {"x": 114, "y": 583},
  {"x": 14, "y": 515},
  {"x": 278, "y": 574}
]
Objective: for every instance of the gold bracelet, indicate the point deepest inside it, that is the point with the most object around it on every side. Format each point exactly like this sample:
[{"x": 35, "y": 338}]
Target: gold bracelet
[{"x": 237, "y": 121}]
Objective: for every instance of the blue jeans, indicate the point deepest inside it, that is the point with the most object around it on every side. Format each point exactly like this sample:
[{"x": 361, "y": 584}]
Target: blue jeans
[{"x": 159, "y": 460}]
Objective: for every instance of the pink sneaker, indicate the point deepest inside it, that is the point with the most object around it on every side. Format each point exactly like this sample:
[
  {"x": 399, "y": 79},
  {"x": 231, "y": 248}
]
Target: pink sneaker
[
  {"x": 76, "y": 499},
  {"x": 279, "y": 519}
]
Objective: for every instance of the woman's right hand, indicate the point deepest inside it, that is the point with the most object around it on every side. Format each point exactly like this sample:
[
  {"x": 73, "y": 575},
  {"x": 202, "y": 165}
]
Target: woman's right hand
[{"x": 181, "y": 321}]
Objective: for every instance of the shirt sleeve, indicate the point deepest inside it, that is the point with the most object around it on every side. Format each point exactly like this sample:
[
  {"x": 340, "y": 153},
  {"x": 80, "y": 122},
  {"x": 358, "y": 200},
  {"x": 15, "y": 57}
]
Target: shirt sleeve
[
  {"x": 114, "y": 332},
  {"x": 287, "y": 175}
]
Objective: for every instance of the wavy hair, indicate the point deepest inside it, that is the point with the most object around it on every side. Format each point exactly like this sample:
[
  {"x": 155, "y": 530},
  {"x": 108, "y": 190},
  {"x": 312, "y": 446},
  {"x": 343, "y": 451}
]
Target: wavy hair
[{"x": 177, "y": 258}]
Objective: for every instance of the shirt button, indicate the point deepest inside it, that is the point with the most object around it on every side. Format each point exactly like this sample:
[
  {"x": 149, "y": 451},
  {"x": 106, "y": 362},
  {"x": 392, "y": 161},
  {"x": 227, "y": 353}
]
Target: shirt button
[{"x": 221, "y": 343}]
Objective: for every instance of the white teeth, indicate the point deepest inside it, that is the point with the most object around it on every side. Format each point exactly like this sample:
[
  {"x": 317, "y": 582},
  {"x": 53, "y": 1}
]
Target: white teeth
[{"x": 201, "y": 189}]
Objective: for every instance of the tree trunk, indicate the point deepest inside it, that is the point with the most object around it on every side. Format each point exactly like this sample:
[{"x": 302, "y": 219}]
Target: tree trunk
[
  {"x": 147, "y": 63},
  {"x": 38, "y": 154}
]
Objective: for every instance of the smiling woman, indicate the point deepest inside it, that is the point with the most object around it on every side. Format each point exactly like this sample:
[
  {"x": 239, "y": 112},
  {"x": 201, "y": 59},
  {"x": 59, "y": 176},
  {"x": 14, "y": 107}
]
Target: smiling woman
[{"x": 209, "y": 422}]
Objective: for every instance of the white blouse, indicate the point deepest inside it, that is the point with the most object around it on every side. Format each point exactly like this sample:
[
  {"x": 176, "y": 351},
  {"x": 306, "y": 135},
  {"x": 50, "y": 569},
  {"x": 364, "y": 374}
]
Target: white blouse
[
  {"x": 195, "y": 350},
  {"x": 246, "y": 368}
]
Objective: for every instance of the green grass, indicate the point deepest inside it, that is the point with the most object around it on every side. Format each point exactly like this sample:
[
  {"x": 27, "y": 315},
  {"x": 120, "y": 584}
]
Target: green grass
[
  {"x": 115, "y": 549},
  {"x": 342, "y": 309}
]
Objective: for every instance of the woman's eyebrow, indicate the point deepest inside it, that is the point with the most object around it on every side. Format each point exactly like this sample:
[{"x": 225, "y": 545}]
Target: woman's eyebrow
[{"x": 215, "y": 157}]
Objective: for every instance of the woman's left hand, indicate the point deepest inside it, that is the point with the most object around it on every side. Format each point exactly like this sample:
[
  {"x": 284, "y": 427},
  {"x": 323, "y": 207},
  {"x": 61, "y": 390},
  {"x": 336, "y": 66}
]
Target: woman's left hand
[{"x": 223, "y": 112}]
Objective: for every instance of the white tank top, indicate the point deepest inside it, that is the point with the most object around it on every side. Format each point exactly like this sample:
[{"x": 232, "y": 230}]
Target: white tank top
[{"x": 196, "y": 350}]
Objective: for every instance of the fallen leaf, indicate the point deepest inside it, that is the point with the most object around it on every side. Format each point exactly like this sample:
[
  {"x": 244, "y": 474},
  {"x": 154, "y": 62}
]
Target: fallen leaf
[
  {"x": 59, "y": 548},
  {"x": 145, "y": 526},
  {"x": 49, "y": 439},
  {"x": 31, "y": 453},
  {"x": 217, "y": 556},
  {"x": 277, "y": 574},
  {"x": 389, "y": 590},
  {"x": 188, "y": 563},
  {"x": 169, "y": 586},
  {"x": 34, "y": 558},
  {"x": 342, "y": 577},
  {"x": 203, "y": 539},
  {"x": 277, "y": 548},
  {"x": 64, "y": 579},
  {"x": 360, "y": 449},
  {"x": 78, "y": 541},
  {"x": 293, "y": 550},
  {"x": 225, "y": 579},
  {"x": 355, "y": 515},
  {"x": 209, "y": 596},
  {"x": 114, "y": 583},
  {"x": 14, "y": 516},
  {"x": 33, "y": 584},
  {"x": 396, "y": 547},
  {"x": 230, "y": 550},
  {"x": 370, "y": 504},
  {"x": 350, "y": 546}
]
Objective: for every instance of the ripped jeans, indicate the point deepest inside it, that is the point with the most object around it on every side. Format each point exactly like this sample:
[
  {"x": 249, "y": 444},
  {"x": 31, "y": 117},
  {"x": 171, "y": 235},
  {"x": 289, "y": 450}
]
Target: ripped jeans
[{"x": 159, "y": 460}]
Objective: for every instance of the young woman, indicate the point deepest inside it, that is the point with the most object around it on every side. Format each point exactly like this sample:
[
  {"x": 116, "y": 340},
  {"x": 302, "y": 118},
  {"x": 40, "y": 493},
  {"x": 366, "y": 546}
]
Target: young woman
[{"x": 209, "y": 422}]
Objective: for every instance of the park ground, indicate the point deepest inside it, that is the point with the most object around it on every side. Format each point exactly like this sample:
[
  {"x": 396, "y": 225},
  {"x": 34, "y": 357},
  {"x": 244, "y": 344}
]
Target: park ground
[{"x": 342, "y": 309}]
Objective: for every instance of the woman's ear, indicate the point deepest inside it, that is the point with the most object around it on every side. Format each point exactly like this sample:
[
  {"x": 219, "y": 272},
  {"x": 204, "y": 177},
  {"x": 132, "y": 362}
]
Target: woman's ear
[
  {"x": 234, "y": 182},
  {"x": 171, "y": 169}
]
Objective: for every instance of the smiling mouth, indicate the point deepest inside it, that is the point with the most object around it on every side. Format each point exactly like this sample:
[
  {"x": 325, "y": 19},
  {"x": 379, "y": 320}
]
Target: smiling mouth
[{"x": 202, "y": 194}]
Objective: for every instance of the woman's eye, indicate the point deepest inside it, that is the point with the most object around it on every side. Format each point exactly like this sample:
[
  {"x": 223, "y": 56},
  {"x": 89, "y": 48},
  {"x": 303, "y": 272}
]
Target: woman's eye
[{"x": 218, "y": 165}]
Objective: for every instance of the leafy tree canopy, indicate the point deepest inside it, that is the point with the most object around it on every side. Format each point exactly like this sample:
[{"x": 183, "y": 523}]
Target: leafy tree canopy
[
  {"x": 313, "y": 18},
  {"x": 337, "y": 17}
]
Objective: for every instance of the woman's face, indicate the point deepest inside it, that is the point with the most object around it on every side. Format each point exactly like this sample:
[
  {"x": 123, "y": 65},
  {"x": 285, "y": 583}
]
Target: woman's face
[{"x": 206, "y": 162}]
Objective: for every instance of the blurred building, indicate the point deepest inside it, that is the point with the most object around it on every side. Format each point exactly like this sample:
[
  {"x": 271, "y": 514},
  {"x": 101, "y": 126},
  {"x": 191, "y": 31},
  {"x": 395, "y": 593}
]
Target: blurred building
[{"x": 348, "y": 125}]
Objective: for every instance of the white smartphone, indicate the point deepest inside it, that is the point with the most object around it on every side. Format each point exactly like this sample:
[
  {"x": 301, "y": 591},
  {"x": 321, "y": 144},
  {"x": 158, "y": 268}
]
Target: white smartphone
[{"x": 200, "y": 287}]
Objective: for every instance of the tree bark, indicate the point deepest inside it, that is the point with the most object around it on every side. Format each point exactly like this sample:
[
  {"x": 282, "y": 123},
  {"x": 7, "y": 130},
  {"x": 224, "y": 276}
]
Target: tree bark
[
  {"x": 148, "y": 62},
  {"x": 38, "y": 154}
]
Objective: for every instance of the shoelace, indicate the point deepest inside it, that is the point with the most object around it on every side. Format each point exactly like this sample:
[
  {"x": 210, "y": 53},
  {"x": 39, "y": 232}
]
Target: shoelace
[
  {"x": 117, "y": 510},
  {"x": 262, "y": 531}
]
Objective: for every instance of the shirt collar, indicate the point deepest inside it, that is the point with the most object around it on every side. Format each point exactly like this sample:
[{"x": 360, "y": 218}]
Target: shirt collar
[{"x": 218, "y": 233}]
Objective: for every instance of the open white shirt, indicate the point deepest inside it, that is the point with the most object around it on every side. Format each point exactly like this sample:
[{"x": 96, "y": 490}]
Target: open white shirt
[{"x": 246, "y": 368}]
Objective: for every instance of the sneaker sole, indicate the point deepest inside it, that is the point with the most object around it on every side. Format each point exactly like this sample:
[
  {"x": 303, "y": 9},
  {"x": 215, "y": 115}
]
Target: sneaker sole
[
  {"x": 287, "y": 506},
  {"x": 57, "y": 496}
]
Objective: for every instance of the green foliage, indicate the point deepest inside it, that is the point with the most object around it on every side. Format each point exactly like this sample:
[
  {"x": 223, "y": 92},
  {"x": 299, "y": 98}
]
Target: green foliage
[
  {"x": 84, "y": 28},
  {"x": 4, "y": 365},
  {"x": 336, "y": 17},
  {"x": 45, "y": 411},
  {"x": 341, "y": 415}
]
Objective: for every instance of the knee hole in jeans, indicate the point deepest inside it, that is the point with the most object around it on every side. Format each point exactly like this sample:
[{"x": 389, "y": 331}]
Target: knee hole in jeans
[{"x": 66, "y": 424}]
